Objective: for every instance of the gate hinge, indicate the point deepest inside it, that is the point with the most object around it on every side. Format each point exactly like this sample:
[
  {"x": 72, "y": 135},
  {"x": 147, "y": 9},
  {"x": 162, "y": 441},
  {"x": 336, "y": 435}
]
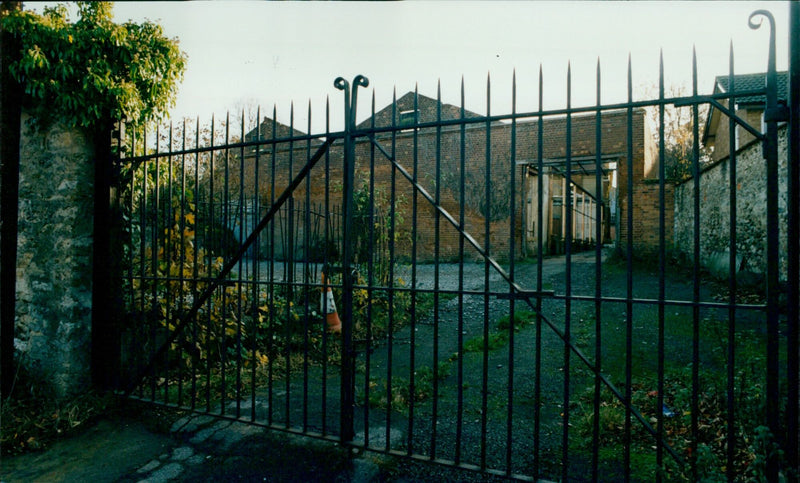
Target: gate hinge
[{"x": 777, "y": 114}]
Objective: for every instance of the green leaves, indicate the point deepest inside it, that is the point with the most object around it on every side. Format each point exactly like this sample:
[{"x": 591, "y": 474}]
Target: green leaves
[{"x": 86, "y": 71}]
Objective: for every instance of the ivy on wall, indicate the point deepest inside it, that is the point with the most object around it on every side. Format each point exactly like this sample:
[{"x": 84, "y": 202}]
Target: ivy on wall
[{"x": 83, "y": 71}]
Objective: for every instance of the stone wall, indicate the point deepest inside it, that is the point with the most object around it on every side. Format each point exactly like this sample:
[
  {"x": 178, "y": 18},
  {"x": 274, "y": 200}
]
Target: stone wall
[
  {"x": 751, "y": 211},
  {"x": 54, "y": 261}
]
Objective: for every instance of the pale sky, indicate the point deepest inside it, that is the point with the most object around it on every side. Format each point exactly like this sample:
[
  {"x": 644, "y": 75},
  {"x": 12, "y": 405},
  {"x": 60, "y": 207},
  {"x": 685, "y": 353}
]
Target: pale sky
[{"x": 273, "y": 53}]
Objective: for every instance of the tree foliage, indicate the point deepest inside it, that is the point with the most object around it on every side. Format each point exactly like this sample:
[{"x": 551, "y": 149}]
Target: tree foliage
[
  {"x": 84, "y": 71},
  {"x": 678, "y": 133}
]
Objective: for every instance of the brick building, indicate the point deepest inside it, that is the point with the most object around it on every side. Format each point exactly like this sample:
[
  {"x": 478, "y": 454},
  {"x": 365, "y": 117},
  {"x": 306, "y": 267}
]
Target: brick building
[
  {"x": 716, "y": 133},
  {"x": 469, "y": 167}
]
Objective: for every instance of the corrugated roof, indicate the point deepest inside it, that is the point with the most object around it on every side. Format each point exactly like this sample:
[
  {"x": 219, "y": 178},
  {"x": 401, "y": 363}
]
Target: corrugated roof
[{"x": 750, "y": 82}]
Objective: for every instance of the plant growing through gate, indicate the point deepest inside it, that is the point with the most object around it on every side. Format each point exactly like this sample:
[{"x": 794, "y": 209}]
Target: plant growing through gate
[
  {"x": 238, "y": 326},
  {"x": 234, "y": 331},
  {"x": 377, "y": 220},
  {"x": 176, "y": 271}
]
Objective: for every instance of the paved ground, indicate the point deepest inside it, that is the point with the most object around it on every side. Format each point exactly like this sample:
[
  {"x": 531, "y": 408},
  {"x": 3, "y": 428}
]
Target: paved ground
[
  {"x": 195, "y": 448},
  {"x": 155, "y": 445},
  {"x": 105, "y": 452},
  {"x": 141, "y": 448}
]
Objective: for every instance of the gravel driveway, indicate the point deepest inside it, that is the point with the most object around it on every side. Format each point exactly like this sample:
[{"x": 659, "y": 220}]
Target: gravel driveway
[{"x": 491, "y": 410}]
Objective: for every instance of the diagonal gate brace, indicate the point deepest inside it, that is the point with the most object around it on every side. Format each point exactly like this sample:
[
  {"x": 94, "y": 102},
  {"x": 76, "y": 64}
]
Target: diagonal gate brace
[
  {"x": 184, "y": 319},
  {"x": 517, "y": 292}
]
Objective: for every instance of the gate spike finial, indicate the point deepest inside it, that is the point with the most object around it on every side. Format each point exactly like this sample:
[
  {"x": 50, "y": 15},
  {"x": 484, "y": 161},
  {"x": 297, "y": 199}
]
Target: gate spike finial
[
  {"x": 598, "y": 83},
  {"x": 462, "y": 96},
  {"x": 341, "y": 83},
  {"x": 360, "y": 80},
  {"x": 630, "y": 79},
  {"x": 541, "y": 89},
  {"x": 569, "y": 83},
  {"x": 372, "y": 109},
  {"x": 514, "y": 109},
  {"x": 755, "y": 25}
]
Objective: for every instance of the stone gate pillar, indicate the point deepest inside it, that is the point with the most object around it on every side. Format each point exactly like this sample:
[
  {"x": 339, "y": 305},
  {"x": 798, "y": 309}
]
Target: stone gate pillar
[{"x": 54, "y": 261}]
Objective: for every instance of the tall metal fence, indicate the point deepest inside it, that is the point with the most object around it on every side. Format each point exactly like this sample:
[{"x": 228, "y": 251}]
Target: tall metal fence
[{"x": 446, "y": 343}]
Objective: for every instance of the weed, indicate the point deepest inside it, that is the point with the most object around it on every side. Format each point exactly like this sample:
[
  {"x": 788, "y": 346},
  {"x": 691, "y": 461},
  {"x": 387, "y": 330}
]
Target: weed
[
  {"x": 709, "y": 399},
  {"x": 496, "y": 341},
  {"x": 401, "y": 395},
  {"x": 521, "y": 319},
  {"x": 753, "y": 444}
]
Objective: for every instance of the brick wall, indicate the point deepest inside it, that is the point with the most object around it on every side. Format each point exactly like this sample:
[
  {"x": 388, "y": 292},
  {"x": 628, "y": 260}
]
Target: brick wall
[
  {"x": 646, "y": 218},
  {"x": 422, "y": 151}
]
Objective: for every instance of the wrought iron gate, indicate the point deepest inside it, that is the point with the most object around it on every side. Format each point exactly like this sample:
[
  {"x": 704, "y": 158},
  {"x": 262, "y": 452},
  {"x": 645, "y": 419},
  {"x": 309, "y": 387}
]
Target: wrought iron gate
[{"x": 461, "y": 342}]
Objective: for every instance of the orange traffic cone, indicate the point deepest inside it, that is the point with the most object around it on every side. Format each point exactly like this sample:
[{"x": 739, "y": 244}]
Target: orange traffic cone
[{"x": 328, "y": 307}]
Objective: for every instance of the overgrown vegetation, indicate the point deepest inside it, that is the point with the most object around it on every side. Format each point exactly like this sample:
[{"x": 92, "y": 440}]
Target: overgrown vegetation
[
  {"x": 424, "y": 377},
  {"x": 30, "y": 421},
  {"x": 92, "y": 70},
  {"x": 248, "y": 329},
  {"x": 753, "y": 441},
  {"x": 401, "y": 389}
]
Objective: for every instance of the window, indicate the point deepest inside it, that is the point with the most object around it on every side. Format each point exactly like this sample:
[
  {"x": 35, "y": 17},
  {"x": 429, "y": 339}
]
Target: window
[{"x": 408, "y": 118}]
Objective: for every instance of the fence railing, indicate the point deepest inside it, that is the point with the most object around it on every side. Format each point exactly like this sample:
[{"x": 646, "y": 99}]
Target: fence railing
[{"x": 592, "y": 366}]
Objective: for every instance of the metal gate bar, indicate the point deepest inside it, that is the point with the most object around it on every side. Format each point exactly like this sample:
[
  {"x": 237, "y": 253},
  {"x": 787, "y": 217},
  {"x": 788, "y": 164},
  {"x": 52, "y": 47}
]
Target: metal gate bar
[{"x": 793, "y": 223}]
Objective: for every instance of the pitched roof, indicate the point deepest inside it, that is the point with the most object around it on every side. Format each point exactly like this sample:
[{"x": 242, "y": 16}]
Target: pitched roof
[
  {"x": 743, "y": 83},
  {"x": 425, "y": 105},
  {"x": 751, "y": 82},
  {"x": 265, "y": 128},
  {"x": 269, "y": 129}
]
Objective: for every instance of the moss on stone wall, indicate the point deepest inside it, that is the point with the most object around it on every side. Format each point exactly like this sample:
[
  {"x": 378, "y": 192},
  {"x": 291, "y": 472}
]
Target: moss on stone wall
[{"x": 54, "y": 262}]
